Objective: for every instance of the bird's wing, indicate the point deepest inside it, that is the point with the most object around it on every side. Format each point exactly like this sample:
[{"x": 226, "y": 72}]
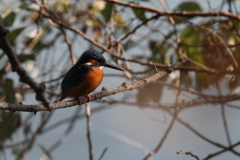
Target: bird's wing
[{"x": 74, "y": 77}]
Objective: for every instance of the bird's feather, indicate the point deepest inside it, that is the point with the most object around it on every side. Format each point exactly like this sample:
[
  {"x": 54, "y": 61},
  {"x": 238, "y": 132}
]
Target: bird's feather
[{"x": 74, "y": 77}]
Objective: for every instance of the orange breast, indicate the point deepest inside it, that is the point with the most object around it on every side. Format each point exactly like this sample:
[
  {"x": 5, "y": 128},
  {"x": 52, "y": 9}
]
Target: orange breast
[{"x": 89, "y": 84}]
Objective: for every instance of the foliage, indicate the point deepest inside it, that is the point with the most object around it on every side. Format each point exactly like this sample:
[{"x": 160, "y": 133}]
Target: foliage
[
  {"x": 9, "y": 123},
  {"x": 46, "y": 36}
]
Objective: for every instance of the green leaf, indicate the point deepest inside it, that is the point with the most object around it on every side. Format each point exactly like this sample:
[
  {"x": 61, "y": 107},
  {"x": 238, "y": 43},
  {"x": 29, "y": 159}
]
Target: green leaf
[
  {"x": 160, "y": 49},
  {"x": 40, "y": 45},
  {"x": 193, "y": 36},
  {"x": 8, "y": 124},
  {"x": 8, "y": 86},
  {"x": 24, "y": 6},
  {"x": 13, "y": 35},
  {"x": 9, "y": 19},
  {"x": 8, "y": 90},
  {"x": 140, "y": 14},
  {"x": 189, "y": 7},
  {"x": 107, "y": 11},
  {"x": 25, "y": 57},
  {"x": 62, "y": 6},
  {"x": 119, "y": 20},
  {"x": 45, "y": 151}
]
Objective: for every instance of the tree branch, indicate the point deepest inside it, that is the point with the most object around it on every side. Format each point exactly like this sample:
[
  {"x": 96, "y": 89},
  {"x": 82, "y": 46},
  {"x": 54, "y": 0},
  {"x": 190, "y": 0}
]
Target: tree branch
[
  {"x": 16, "y": 67},
  {"x": 189, "y": 153},
  {"x": 176, "y": 13},
  {"x": 222, "y": 151},
  {"x": 88, "y": 116},
  {"x": 99, "y": 95}
]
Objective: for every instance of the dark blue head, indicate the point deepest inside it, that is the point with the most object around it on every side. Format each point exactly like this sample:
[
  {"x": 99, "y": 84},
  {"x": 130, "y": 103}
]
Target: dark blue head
[{"x": 92, "y": 57}]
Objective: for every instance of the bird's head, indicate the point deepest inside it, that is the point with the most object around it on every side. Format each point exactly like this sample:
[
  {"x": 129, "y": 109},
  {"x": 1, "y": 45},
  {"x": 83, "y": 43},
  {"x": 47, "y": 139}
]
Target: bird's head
[{"x": 93, "y": 58}]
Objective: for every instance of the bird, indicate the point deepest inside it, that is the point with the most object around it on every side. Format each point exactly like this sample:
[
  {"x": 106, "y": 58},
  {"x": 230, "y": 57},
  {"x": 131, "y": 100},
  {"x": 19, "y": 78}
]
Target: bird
[{"x": 85, "y": 76}]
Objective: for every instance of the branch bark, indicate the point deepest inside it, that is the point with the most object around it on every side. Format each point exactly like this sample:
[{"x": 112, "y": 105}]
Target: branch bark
[
  {"x": 16, "y": 67},
  {"x": 88, "y": 116},
  {"x": 176, "y": 13},
  {"x": 99, "y": 95}
]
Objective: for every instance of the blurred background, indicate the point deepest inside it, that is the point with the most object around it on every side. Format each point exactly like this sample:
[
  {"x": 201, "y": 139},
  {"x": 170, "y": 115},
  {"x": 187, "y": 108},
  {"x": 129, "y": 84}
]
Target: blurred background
[{"x": 194, "y": 109}]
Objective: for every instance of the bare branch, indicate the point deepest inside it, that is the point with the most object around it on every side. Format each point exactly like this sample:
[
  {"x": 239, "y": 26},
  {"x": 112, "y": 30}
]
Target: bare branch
[
  {"x": 16, "y": 67},
  {"x": 183, "y": 14},
  {"x": 230, "y": 54},
  {"x": 88, "y": 116},
  {"x": 222, "y": 151},
  {"x": 68, "y": 130},
  {"x": 38, "y": 131},
  {"x": 189, "y": 153},
  {"x": 164, "y": 136},
  {"x": 69, "y": 44},
  {"x": 99, "y": 95},
  {"x": 103, "y": 153}
]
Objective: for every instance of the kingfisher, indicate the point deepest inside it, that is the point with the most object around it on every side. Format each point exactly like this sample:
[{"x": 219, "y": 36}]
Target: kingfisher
[{"x": 85, "y": 76}]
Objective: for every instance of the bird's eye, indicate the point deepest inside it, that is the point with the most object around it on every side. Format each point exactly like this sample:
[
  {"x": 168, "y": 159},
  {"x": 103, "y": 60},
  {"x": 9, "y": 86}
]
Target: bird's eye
[{"x": 102, "y": 62}]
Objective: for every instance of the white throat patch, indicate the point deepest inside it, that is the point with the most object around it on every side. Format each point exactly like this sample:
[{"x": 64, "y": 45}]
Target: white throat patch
[{"x": 87, "y": 64}]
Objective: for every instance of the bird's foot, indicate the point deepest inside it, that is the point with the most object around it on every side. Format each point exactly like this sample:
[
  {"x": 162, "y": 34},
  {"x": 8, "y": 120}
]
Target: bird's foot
[
  {"x": 80, "y": 100},
  {"x": 88, "y": 98}
]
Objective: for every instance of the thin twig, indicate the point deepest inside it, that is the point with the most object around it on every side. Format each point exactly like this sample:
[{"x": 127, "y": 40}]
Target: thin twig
[
  {"x": 205, "y": 138},
  {"x": 58, "y": 23},
  {"x": 230, "y": 148},
  {"x": 68, "y": 130},
  {"x": 230, "y": 54},
  {"x": 88, "y": 116},
  {"x": 103, "y": 153},
  {"x": 225, "y": 124},
  {"x": 69, "y": 44},
  {"x": 167, "y": 109},
  {"x": 189, "y": 153},
  {"x": 224, "y": 117},
  {"x": 172, "y": 21},
  {"x": 164, "y": 136},
  {"x": 35, "y": 135},
  {"x": 176, "y": 13}
]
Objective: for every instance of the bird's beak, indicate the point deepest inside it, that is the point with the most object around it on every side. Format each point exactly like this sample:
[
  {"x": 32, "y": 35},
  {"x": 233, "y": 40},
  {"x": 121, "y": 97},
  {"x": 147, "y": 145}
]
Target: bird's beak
[{"x": 112, "y": 66}]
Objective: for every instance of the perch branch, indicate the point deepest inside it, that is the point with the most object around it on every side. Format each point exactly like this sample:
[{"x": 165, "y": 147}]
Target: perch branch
[{"x": 99, "y": 95}]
